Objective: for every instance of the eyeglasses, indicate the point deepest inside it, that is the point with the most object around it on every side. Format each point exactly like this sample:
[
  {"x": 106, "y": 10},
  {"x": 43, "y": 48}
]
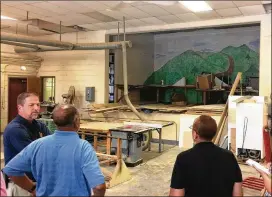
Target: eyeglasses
[{"x": 191, "y": 127}]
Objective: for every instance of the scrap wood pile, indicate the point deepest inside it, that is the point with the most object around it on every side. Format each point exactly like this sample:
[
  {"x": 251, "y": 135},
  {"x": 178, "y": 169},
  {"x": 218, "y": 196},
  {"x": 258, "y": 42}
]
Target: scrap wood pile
[
  {"x": 163, "y": 108},
  {"x": 100, "y": 108},
  {"x": 206, "y": 110}
]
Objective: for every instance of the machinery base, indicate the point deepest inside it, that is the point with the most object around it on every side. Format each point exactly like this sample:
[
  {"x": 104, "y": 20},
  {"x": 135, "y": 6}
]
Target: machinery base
[{"x": 129, "y": 164}]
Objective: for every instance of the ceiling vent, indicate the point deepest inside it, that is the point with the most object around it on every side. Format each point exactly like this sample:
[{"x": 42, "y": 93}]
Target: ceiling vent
[{"x": 55, "y": 28}]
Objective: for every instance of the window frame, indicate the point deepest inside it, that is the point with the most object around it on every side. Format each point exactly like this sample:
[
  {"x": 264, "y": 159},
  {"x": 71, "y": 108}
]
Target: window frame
[{"x": 42, "y": 87}]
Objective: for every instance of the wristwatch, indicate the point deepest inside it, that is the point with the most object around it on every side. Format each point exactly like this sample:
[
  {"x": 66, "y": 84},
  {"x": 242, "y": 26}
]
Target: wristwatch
[{"x": 32, "y": 189}]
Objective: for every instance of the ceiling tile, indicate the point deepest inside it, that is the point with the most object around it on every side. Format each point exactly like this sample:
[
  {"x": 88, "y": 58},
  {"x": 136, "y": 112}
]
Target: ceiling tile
[
  {"x": 246, "y": 3},
  {"x": 134, "y": 12},
  {"x": 116, "y": 5},
  {"x": 208, "y": 15},
  {"x": 31, "y": 8},
  {"x": 176, "y": 9},
  {"x": 72, "y": 5},
  {"x": 12, "y": 3},
  {"x": 117, "y": 15},
  {"x": 138, "y": 3},
  {"x": 170, "y": 19},
  {"x": 111, "y": 3},
  {"x": 136, "y": 22},
  {"x": 51, "y": 7},
  {"x": 152, "y": 21},
  {"x": 106, "y": 26},
  {"x": 94, "y": 5},
  {"x": 13, "y": 15},
  {"x": 13, "y": 11},
  {"x": 77, "y": 19},
  {"x": 252, "y": 10},
  {"x": 221, "y": 4},
  {"x": 115, "y": 25},
  {"x": 188, "y": 17},
  {"x": 100, "y": 17},
  {"x": 31, "y": 2},
  {"x": 153, "y": 10},
  {"x": 229, "y": 12}
]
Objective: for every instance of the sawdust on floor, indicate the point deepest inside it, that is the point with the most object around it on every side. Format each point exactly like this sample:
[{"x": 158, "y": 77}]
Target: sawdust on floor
[{"x": 152, "y": 178}]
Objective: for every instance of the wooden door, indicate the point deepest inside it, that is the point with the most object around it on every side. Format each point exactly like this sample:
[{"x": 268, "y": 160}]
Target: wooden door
[
  {"x": 34, "y": 85},
  {"x": 16, "y": 86}
]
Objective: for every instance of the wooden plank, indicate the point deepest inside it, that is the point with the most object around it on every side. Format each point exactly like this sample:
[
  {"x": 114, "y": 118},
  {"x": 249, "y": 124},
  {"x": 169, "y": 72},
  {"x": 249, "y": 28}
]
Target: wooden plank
[
  {"x": 106, "y": 156},
  {"x": 233, "y": 140},
  {"x": 235, "y": 84},
  {"x": 108, "y": 148},
  {"x": 220, "y": 131},
  {"x": 100, "y": 126},
  {"x": 95, "y": 143},
  {"x": 119, "y": 149}
]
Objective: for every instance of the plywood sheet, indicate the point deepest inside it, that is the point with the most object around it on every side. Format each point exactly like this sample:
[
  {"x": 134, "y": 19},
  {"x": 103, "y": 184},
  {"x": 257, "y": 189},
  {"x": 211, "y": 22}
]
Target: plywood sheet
[
  {"x": 100, "y": 126},
  {"x": 187, "y": 140},
  {"x": 216, "y": 107},
  {"x": 233, "y": 140}
]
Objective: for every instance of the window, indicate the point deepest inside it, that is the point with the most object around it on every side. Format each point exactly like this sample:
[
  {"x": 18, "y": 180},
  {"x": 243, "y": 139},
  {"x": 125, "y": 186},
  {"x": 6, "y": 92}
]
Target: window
[{"x": 48, "y": 89}]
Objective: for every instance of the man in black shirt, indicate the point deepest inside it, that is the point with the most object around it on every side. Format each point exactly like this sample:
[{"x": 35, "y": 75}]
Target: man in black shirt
[{"x": 206, "y": 169}]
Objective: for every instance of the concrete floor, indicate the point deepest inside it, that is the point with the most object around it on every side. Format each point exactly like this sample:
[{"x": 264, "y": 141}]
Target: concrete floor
[{"x": 152, "y": 178}]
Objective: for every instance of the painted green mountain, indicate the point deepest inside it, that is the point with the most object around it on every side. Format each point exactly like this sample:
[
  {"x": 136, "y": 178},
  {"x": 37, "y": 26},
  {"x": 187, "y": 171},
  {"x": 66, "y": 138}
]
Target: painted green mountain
[{"x": 190, "y": 64}]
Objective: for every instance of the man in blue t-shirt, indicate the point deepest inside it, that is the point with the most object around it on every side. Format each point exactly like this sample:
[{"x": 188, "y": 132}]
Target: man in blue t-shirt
[
  {"x": 21, "y": 131},
  {"x": 62, "y": 163}
]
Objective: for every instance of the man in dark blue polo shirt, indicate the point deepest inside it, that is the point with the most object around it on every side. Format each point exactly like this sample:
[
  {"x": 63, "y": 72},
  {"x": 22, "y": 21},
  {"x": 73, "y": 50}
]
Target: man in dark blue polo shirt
[{"x": 21, "y": 131}]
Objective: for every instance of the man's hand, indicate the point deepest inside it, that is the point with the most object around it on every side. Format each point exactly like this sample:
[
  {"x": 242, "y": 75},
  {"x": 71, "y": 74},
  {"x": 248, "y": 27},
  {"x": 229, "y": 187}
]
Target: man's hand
[
  {"x": 99, "y": 190},
  {"x": 33, "y": 193}
]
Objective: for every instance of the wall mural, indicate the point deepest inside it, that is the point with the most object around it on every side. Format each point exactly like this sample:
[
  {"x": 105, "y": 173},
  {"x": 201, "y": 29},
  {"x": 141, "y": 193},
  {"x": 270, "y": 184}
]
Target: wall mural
[{"x": 180, "y": 57}]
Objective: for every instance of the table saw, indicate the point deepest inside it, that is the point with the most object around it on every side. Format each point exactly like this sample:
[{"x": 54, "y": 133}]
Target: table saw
[{"x": 132, "y": 136}]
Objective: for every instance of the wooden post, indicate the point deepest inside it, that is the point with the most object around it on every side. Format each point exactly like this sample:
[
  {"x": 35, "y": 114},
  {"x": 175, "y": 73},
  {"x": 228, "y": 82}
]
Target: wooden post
[
  {"x": 108, "y": 146},
  {"x": 95, "y": 143},
  {"x": 225, "y": 111},
  {"x": 83, "y": 135},
  {"x": 119, "y": 148}
]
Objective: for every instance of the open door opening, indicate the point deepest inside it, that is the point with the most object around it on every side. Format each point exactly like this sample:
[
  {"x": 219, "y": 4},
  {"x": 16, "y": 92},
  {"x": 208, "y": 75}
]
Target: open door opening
[{"x": 17, "y": 86}]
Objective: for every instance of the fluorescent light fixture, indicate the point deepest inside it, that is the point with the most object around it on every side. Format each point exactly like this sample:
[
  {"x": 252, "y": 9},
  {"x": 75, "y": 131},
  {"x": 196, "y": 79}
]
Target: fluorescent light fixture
[
  {"x": 8, "y": 18},
  {"x": 23, "y": 68},
  {"x": 196, "y": 6}
]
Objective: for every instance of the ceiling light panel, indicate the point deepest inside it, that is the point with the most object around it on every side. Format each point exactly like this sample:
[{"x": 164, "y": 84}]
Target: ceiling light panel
[{"x": 196, "y": 6}]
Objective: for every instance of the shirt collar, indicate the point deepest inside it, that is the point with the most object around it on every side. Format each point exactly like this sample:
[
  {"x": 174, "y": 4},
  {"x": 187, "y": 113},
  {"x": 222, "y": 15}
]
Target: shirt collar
[
  {"x": 24, "y": 121},
  {"x": 66, "y": 133},
  {"x": 204, "y": 144}
]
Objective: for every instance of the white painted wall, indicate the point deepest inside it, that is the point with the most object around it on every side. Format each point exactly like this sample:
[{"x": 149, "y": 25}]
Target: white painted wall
[
  {"x": 78, "y": 68},
  {"x": 139, "y": 59},
  {"x": 6, "y": 72}
]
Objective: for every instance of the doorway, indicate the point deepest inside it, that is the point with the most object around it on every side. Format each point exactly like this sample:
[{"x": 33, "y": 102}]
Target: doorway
[{"x": 16, "y": 86}]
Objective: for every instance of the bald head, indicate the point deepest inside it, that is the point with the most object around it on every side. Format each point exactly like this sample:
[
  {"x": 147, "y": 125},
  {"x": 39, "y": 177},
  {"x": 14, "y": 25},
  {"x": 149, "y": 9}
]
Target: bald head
[
  {"x": 65, "y": 116},
  {"x": 205, "y": 126}
]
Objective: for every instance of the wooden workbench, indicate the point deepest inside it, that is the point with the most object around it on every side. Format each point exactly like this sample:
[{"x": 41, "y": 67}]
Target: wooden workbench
[
  {"x": 157, "y": 87},
  {"x": 99, "y": 128}
]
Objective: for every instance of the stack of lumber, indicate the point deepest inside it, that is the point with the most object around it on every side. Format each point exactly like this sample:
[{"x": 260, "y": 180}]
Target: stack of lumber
[
  {"x": 163, "y": 108},
  {"x": 211, "y": 110},
  {"x": 100, "y": 108}
]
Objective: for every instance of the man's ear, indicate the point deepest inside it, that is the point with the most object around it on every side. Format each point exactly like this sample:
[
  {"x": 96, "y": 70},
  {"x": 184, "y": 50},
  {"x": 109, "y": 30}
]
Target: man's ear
[
  {"x": 19, "y": 107},
  {"x": 195, "y": 135}
]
